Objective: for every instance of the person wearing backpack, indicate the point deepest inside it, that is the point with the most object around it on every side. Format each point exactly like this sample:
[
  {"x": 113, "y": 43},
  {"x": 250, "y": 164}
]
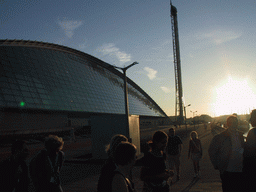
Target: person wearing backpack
[
  {"x": 153, "y": 172},
  {"x": 173, "y": 151},
  {"x": 107, "y": 171},
  {"x": 124, "y": 158}
]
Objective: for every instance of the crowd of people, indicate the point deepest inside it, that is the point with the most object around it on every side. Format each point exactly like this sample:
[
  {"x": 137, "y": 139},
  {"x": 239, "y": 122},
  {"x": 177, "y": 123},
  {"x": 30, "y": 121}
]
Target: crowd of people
[
  {"x": 229, "y": 153},
  {"x": 44, "y": 168},
  {"x": 157, "y": 171}
]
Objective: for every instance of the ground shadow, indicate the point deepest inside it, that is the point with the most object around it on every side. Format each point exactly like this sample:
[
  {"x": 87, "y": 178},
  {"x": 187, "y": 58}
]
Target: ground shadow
[{"x": 192, "y": 183}]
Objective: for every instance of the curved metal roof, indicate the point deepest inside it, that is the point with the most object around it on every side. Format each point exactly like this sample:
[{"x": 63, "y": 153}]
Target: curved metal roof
[{"x": 40, "y": 44}]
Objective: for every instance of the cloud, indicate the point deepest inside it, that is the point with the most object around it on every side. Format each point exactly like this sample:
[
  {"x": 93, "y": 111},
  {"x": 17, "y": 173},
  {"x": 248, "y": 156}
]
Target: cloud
[
  {"x": 219, "y": 36},
  {"x": 111, "y": 50},
  {"x": 163, "y": 44},
  {"x": 83, "y": 45},
  {"x": 166, "y": 89},
  {"x": 151, "y": 73},
  {"x": 69, "y": 26}
]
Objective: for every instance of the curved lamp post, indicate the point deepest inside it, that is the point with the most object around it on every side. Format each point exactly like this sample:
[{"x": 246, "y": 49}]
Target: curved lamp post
[{"x": 126, "y": 91}]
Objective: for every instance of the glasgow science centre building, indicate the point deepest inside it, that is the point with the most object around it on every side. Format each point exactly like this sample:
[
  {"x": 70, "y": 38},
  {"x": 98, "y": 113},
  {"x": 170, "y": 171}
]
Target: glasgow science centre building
[{"x": 47, "y": 87}]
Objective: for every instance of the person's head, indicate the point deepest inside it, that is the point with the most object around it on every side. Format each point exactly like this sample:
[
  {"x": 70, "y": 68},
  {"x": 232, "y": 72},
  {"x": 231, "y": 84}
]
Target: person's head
[
  {"x": 172, "y": 131},
  {"x": 125, "y": 154},
  {"x": 20, "y": 149},
  {"x": 235, "y": 114},
  {"x": 160, "y": 139},
  {"x": 193, "y": 135},
  {"x": 253, "y": 118},
  {"x": 232, "y": 122},
  {"x": 115, "y": 140},
  {"x": 53, "y": 144}
]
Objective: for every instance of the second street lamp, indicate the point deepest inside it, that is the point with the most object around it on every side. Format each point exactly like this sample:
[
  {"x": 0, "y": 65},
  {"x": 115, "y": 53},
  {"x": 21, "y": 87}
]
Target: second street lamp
[
  {"x": 186, "y": 117},
  {"x": 193, "y": 117}
]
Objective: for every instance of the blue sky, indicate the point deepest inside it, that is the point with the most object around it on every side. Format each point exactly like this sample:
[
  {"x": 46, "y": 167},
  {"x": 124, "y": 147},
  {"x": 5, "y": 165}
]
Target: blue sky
[{"x": 217, "y": 44}]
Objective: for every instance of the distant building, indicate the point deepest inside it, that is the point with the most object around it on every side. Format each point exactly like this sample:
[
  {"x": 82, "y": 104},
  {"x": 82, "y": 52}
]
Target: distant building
[{"x": 46, "y": 87}]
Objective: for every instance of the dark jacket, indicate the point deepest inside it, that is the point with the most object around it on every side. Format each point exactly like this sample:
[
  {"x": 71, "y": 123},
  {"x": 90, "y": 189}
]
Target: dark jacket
[
  {"x": 106, "y": 177},
  {"x": 40, "y": 170},
  {"x": 221, "y": 148},
  {"x": 13, "y": 175}
]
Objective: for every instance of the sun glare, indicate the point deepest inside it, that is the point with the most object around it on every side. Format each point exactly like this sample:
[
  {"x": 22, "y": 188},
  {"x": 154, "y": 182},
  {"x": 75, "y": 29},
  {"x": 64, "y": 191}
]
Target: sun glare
[{"x": 234, "y": 96}]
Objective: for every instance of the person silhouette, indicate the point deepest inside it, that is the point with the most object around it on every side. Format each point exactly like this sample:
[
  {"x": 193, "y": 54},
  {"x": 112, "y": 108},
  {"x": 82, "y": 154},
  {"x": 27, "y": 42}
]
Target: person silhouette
[
  {"x": 226, "y": 155},
  {"x": 14, "y": 170}
]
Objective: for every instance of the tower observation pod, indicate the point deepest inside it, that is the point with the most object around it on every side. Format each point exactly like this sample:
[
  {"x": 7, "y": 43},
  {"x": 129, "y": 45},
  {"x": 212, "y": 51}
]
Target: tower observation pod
[{"x": 177, "y": 68}]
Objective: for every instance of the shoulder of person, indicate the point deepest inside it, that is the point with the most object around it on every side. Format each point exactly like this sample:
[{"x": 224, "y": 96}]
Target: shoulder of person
[
  {"x": 176, "y": 137},
  {"x": 252, "y": 131},
  {"x": 221, "y": 135},
  {"x": 118, "y": 182},
  {"x": 61, "y": 153},
  {"x": 40, "y": 154}
]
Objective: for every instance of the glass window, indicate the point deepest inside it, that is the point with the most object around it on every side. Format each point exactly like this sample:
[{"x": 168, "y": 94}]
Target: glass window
[
  {"x": 22, "y": 82},
  {"x": 26, "y": 94},
  {"x": 29, "y": 100},
  {"x": 11, "y": 104},
  {"x": 24, "y": 88},
  {"x": 68, "y": 78},
  {"x": 14, "y": 86},
  {"x": 16, "y": 92},
  {"x": 9, "y": 97},
  {"x": 6, "y": 91}
]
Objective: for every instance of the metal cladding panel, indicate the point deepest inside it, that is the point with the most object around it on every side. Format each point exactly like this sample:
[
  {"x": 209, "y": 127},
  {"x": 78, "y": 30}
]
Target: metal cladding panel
[
  {"x": 49, "y": 78},
  {"x": 103, "y": 128}
]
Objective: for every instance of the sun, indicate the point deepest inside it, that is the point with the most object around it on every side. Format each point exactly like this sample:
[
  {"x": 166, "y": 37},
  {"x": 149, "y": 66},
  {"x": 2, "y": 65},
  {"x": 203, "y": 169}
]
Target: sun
[{"x": 234, "y": 96}]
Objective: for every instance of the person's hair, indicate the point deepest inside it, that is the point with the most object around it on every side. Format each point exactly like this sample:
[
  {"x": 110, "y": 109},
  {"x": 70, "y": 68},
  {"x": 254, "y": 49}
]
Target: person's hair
[
  {"x": 115, "y": 140},
  {"x": 172, "y": 129},
  {"x": 253, "y": 118},
  {"x": 232, "y": 120},
  {"x": 17, "y": 145},
  {"x": 53, "y": 142},
  {"x": 193, "y": 133},
  {"x": 157, "y": 137},
  {"x": 124, "y": 153}
]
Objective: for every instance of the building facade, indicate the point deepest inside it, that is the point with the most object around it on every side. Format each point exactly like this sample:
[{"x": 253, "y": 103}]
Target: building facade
[{"x": 46, "y": 86}]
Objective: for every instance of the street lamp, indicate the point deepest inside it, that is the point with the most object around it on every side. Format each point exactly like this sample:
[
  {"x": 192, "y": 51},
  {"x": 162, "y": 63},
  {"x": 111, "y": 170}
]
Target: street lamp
[
  {"x": 186, "y": 116},
  {"x": 193, "y": 117},
  {"x": 126, "y": 91}
]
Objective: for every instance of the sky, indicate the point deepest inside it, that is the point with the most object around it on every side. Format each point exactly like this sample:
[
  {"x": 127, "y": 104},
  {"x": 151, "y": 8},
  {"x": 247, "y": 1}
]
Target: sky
[{"x": 217, "y": 44}]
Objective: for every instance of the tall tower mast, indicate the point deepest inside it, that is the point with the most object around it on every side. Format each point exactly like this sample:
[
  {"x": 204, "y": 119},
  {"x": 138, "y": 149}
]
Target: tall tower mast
[{"x": 177, "y": 68}]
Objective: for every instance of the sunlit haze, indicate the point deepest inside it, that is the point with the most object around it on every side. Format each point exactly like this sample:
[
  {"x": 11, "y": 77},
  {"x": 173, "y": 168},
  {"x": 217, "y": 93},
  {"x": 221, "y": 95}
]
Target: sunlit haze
[
  {"x": 217, "y": 44},
  {"x": 234, "y": 96}
]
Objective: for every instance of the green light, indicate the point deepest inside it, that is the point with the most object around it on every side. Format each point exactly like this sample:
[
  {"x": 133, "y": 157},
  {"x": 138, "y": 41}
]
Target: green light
[{"x": 22, "y": 103}]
